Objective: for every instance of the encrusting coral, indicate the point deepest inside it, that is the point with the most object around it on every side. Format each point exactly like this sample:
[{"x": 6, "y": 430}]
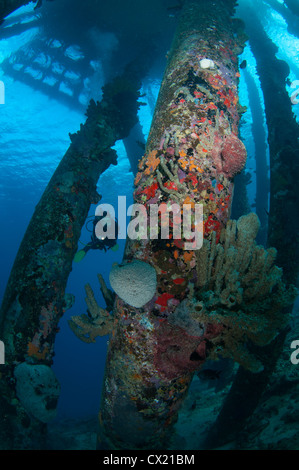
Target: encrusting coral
[
  {"x": 240, "y": 289},
  {"x": 98, "y": 321}
]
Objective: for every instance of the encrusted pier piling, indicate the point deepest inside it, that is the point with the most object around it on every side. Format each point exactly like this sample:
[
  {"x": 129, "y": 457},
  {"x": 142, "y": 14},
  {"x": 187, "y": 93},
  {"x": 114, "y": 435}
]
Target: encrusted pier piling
[{"x": 192, "y": 155}]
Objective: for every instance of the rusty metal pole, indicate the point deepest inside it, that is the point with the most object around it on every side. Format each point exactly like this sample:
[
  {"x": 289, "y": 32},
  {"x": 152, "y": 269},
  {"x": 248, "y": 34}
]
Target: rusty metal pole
[{"x": 192, "y": 155}]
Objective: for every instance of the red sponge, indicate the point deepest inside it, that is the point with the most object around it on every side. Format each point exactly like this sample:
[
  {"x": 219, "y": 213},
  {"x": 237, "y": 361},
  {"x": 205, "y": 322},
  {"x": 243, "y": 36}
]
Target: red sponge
[{"x": 233, "y": 155}]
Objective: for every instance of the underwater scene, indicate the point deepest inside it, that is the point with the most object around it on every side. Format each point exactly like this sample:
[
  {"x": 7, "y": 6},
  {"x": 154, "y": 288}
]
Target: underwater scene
[{"x": 149, "y": 204}]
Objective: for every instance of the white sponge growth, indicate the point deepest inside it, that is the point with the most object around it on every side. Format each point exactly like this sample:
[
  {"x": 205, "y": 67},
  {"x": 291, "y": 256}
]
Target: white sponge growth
[
  {"x": 38, "y": 390},
  {"x": 206, "y": 64}
]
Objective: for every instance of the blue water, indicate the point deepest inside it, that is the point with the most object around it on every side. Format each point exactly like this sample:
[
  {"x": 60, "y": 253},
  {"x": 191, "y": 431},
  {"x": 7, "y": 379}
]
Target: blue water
[{"x": 34, "y": 138}]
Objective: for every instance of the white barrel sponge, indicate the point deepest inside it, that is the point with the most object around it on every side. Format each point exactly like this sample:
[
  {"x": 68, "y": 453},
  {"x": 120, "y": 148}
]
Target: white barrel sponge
[
  {"x": 38, "y": 390},
  {"x": 134, "y": 282},
  {"x": 207, "y": 64}
]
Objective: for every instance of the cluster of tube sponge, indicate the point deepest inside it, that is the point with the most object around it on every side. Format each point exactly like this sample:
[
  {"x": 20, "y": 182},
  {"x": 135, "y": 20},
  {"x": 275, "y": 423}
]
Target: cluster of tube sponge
[
  {"x": 134, "y": 282},
  {"x": 240, "y": 289},
  {"x": 97, "y": 322}
]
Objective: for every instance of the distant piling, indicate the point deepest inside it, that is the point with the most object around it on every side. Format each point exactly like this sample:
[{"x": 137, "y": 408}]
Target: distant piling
[{"x": 2, "y": 92}]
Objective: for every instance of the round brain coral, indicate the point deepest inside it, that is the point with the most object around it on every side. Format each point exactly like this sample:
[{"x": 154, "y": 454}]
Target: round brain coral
[
  {"x": 134, "y": 282},
  {"x": 233, "y": 155}
]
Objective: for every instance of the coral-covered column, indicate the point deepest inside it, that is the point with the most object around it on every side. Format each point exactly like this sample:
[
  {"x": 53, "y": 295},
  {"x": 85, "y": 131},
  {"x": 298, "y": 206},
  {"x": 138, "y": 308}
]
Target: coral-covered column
[
  {"x": 192, "y": 155},
  {"x": 35, "y": 299}
]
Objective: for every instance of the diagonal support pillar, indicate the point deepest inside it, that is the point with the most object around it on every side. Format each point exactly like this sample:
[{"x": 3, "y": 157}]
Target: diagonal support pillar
[
  {"x": 192, "y": 155},
  {"x": 35, "y": 299}
]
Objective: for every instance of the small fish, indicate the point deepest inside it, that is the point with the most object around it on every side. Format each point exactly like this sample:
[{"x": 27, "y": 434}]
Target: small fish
[
  {"x": 141, "y": 144},
  {"x": 288, "y": 82},
  {"x": 209, "y": 374},
  {"x": 193, "y": 406},
  {"x": 243, "y": 64},
  {"x": 176, "y": 8}
]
